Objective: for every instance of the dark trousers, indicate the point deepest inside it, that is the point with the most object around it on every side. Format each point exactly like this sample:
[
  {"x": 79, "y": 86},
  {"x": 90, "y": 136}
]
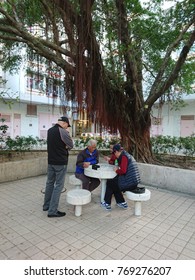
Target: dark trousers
[
  {"x": 89, "y": 183},
  {"x": 112, "y": 188}
]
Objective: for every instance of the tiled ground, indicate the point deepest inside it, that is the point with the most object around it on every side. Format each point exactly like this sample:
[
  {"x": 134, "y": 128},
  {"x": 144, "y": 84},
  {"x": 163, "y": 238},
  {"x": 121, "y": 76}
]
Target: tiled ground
[{"x": 166, "y": 229}]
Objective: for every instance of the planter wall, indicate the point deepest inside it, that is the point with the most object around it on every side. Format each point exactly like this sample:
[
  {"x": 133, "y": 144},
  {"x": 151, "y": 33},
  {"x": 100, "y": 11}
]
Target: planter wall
[
  {"x": 11, "y": 171},
  {"x": 28, "y": 164},
  {"x": 173, "y": 179}
]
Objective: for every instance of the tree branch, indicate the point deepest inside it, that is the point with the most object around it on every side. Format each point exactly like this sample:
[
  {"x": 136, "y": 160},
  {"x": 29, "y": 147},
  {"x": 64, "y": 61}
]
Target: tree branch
[
  {"x": 175, "y": 72},
  {"x": 159, "y": 78}
]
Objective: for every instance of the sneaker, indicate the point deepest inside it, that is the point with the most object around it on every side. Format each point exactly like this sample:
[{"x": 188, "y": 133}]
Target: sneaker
[
  {"x": 105, "y": 205},
  {"x": 123, "y": 205}
]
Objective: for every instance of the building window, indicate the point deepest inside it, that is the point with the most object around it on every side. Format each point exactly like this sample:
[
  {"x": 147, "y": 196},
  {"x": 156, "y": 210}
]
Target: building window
[
  {"x": 187, "y": 118},
  {"x": 35, "y": 82},
  {"x": 31, "y": 110}
]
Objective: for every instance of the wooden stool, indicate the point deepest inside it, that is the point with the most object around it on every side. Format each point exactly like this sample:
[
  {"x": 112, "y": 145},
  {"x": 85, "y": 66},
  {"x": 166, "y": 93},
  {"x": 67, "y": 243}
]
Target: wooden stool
[
  {"x": 75, "y": 182},
  {"x": 138, "y": 198},
  {"x": 78, "y": 197}
]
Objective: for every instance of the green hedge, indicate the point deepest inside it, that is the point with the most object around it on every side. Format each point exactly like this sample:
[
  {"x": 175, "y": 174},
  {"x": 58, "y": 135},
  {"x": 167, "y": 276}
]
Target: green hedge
[
  {"x": 173, "y": 145},
  {"x": 160, "y": 144}
]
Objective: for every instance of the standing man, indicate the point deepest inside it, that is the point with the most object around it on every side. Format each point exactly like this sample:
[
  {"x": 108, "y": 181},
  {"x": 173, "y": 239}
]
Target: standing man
[
  {"x": 88, "y": 156},
  {"x": 59, "y": 143}
]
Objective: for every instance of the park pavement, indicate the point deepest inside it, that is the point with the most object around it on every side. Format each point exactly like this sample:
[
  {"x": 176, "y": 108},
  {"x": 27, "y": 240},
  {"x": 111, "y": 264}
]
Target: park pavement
[{"x": 164, "y": 231}]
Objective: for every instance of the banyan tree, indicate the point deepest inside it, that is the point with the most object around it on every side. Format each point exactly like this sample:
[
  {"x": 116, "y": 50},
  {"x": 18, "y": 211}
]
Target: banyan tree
[{"x": 119, "y": 56}]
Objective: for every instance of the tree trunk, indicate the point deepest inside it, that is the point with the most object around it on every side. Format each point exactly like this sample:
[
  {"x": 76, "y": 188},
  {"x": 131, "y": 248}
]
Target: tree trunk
[
  {"x": 128, "y": 117},
  {"x": 136, "y": 139}
]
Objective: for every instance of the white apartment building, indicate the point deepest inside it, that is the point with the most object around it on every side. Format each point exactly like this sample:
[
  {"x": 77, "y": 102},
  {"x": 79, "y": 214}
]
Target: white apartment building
[
  {"x": 40, "y": 94},
  {"x": 36, "y": 101},
  {"x": 167, "y": 121}
]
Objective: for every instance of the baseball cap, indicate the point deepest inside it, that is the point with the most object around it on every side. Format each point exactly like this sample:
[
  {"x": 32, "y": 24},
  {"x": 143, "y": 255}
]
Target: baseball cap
[
  {"x": 117, "y": 147},
  {"x": 65, "y": 119}
]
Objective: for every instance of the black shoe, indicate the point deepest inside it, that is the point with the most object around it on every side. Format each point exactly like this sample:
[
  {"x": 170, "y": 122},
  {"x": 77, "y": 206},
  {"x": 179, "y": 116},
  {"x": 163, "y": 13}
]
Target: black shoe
[
  {"x": 58, "y": 214},
  {"x": 45, "y": 209},
  {"x": 138, "y": 190}
]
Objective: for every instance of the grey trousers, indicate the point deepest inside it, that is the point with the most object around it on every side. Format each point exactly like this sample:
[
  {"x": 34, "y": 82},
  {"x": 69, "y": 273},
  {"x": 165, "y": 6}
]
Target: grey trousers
[{"x": 54, "y": 185}]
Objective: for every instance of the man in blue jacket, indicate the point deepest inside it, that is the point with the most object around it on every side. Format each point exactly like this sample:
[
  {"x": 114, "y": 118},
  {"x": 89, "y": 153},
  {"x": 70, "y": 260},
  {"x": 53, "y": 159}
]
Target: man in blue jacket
[
  {"x": 59, "y": 143},
  {"x": 88, "y": 156}
]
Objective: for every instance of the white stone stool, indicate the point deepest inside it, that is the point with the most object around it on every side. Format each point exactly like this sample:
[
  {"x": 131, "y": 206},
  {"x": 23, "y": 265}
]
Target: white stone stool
[
  {"x": 75, "y": 182},
  {"x": 138, "y": 198},
  {"x": 78, "y": 197}
]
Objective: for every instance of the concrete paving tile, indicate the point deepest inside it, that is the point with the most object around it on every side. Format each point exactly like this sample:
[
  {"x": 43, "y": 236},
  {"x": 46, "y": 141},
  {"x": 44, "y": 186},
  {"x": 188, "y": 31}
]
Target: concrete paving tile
[
  {"x": 79, "y": 244},
  {"x": 184, "y": 257},
  {"x": 133, "y": 255},
  {"x": 141, "y": 248},
  {"x": 88, "y": 249},
  {"x": 7, "y": 245},
  {"x": 24, "y": 245},
  {"x": 43, "y": 244},
  {"x": 50, "y": 250},
  {"x": 30, "y": 251},
  {"x": 96, "y": 244},
  {"x": 79, "y": 255},
  {"x": 69, "y": 250},
  {"x": 177, "y": 248},
  {"x": 15, "y": 253},
  {"x": 155, "y": 235},
  {"x": 189, "y": 253},
  {"x": 171, "y": 253},
  {"x": 97, "y": 255},
  {"x": 165, "y": 230},
  {"x": 113, "y": 243},
  {"x": 159, "y": 248},
  {"x": 59, "y": 255},
  {"x": 2, "y": 256},
  {"x": 130, "y": 243},
  {"x": 41, "y": 256},
  {"x": 153, "y": 254},
  {"x": 117, "y": 255}
]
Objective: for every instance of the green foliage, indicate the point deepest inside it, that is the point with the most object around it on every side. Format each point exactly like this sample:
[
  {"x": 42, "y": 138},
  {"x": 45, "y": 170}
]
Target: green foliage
[
  {"x": 12, "y": 57},
  {"x": 20, "y": 143},
  {"x": 3, "y": 127},
  {"x": 152, "y": 30},
  {"x": 173, "y": 145},
  {"x": 81, "y": 142},
  {"x": 125, "y": 55},
  {"x": 30, "y": 11}
]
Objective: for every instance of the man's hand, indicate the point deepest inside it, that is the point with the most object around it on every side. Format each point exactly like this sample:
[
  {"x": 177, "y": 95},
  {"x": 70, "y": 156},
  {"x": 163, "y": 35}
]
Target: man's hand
[
  {"x": 115, "y": 168},
  {"x": 86, "y": 164}
]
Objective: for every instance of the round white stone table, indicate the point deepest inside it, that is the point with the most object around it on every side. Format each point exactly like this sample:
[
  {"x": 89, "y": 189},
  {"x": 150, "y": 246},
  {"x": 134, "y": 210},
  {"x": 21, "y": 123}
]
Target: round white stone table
[{"x": 104, "y": 172}]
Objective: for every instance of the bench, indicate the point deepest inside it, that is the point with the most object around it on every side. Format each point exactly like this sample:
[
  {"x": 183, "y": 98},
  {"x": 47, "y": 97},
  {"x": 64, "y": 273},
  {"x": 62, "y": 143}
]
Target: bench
[
  {"x": 138, "y": 198},
  {"x": 75, "y": 182},
  {"x": 78, "y": 197}
]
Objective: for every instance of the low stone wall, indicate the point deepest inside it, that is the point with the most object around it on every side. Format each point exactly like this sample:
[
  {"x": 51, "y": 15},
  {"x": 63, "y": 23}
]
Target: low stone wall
[
  {"x": 29, "y": 165},
  {"x": 14, "y": 170},
  {"x": 173, "y": 179}
]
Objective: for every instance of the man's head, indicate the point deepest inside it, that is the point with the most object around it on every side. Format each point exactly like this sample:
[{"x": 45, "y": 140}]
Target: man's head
[
  {"x": 117, "y": 149},
  {"x": 64, "y": 122},
  {"x": 91, "y": 145}
]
